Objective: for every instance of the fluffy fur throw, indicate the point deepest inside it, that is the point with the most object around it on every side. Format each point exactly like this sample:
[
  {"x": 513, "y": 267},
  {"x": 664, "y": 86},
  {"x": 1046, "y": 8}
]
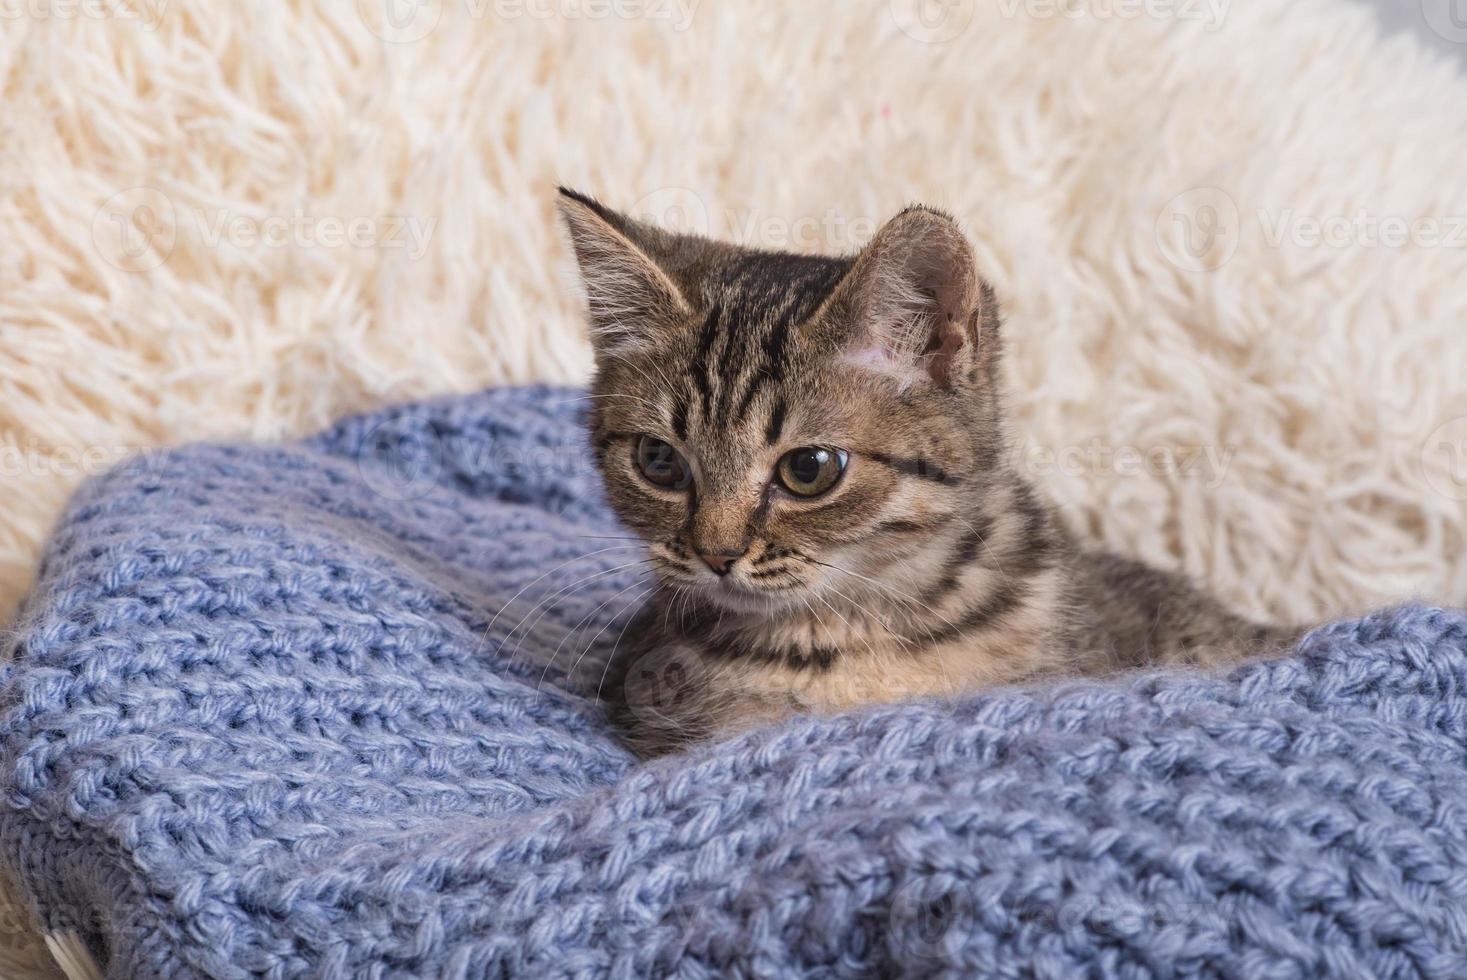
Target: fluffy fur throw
[{"x": 301, "y": 711}]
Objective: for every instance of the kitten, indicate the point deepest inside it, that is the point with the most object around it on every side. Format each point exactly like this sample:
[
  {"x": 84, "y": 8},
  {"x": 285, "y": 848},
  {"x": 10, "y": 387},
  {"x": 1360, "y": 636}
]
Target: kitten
[{"x": 814, "y": 450}]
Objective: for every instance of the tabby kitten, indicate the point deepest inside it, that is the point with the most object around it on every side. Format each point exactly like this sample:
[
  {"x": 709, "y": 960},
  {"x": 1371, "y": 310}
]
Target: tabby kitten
[{"x": 814, "y": 450}]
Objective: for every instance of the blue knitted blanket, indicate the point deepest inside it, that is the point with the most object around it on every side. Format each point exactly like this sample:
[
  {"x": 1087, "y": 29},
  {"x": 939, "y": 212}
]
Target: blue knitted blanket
[{"x": 309, "y": 710}]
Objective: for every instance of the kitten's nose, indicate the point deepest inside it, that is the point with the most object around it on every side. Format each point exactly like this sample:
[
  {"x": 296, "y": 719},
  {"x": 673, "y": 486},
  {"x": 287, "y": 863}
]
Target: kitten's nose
[{"x": 720, "y": 561}]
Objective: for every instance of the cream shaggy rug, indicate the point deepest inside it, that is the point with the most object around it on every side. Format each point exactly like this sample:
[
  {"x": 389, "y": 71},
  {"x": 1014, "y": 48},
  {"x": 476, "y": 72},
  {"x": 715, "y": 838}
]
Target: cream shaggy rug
[{"x": 1232, "y": 238}]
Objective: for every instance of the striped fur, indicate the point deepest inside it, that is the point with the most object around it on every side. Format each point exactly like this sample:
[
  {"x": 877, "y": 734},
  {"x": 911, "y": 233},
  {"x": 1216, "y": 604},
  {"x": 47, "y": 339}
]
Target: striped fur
[{"x": 931, "y": 568}]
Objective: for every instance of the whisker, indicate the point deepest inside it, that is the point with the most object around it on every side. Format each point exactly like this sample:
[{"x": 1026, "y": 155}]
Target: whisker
[
  {"x": 888, "y": 588},
  {"x": 853, "y": 629},
  {"x": 818, "y": 621},
  {"x": 665, "y": 388},
  {"x": 483, "y": 637},
  {"x": 941, "y": 665},
  {"x": 574, "y": 630},
  {"x": 612, "y": 394},
  {"x": 906, "y": 643},
  {"x": 682, "y": 616},
  {"x": 634, "y": 600},
  {"x": 638, "y": 369},
  {"x": 984, "y": 542},
  {"x": 677, "y": 590},
  {"x": 578, "y": 584}
]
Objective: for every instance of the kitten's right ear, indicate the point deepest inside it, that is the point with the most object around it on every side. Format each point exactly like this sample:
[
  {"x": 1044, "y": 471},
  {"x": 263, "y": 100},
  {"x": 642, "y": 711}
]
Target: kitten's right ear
[
  {"x": 913, "y": 306},
  {"x": 628, "y": 293}
]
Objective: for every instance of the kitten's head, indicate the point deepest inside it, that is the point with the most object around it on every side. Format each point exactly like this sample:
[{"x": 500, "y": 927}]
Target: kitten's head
[{"x": 775, "y": 425}]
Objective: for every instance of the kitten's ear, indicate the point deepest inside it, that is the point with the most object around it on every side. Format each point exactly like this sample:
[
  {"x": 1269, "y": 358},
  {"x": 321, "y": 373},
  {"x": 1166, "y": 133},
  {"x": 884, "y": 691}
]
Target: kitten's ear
[
  {"x": 628, "y": 293},
  {"x": 913, "y": 306}
]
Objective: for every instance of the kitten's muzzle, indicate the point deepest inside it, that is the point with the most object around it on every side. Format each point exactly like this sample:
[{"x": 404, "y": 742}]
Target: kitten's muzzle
[{"x": 721, "y": 561}]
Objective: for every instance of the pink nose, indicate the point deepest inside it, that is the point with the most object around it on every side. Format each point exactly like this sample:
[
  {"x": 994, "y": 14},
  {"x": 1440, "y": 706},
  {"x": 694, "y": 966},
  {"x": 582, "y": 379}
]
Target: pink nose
[{"x": 720, "y": 561}]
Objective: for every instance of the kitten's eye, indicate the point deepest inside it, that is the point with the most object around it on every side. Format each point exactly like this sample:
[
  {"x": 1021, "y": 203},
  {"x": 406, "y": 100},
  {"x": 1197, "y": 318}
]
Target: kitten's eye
[
  {"x": 662, "y": 465},
  {"x": 811, "y": 470}
]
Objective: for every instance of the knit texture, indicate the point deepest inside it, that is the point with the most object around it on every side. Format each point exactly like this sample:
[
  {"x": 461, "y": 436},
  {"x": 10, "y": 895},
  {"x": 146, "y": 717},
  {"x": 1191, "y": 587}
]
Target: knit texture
[{"x": 273, "y": 713}]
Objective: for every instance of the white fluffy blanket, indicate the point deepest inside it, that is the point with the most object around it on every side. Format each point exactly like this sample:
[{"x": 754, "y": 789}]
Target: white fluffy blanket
[{"x": 1231, "y": 237}]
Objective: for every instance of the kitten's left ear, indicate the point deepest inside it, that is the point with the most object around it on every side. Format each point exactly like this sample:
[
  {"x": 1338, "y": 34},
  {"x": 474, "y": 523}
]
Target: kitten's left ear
[
  {"x": 913, "y": 306},
  {"x": 627, "y": 291}
]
